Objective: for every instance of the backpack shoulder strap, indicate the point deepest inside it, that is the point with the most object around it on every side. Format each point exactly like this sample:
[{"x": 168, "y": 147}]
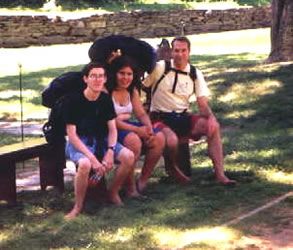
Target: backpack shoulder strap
[
  {"x": 193, "y": 75},
  {"x": 167, "y": 69},
  {"x": 192, "y": 72}
]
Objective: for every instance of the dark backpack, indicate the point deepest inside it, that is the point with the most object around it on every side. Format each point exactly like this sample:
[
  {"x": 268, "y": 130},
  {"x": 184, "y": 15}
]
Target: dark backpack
[
  {"x": 53, "y": 97},
  {"x": 66, "y": 83},
  {"x": 151, "y": 91},
  {"x": 55, "y": 128}
]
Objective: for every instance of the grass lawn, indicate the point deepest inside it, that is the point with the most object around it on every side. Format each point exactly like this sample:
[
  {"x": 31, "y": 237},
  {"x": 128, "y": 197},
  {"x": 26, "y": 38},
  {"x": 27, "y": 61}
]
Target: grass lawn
[{"x": 253, "y": 102}]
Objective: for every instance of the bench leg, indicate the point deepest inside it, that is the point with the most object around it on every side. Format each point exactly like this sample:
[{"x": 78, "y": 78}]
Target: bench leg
[
  {"x": 184, "y": 158},
  {"x": 98, "y": 192},
  {"x": 8, "y": 182},
  {"x": 51, "y": 167}
]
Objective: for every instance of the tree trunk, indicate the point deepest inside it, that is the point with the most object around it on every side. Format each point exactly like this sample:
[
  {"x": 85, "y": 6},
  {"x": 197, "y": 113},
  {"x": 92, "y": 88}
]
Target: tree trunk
[{"x": 281, "y": 31}]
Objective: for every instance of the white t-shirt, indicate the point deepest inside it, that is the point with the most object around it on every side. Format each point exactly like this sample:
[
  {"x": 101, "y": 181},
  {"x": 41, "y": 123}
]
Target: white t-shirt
[{"x": 164, "y": 100}]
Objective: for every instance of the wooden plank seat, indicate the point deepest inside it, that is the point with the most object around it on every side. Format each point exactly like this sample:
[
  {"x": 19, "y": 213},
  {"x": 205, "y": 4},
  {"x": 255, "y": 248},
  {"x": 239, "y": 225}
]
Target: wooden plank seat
[{"x": 51, "y": 163}]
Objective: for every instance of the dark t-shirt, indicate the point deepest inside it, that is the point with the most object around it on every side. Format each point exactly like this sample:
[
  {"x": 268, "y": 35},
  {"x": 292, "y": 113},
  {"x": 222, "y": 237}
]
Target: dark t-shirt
[{"x": 90, "y": 117}]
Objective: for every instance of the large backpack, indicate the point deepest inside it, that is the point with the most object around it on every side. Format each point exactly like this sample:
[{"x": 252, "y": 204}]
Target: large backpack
[
  {"x": 53, "y": 97},
  {"x": 65, "y": 83}
]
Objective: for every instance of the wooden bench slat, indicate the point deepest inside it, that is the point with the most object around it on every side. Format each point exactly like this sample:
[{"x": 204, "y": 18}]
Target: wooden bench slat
[{"x": 24, "y": 150}]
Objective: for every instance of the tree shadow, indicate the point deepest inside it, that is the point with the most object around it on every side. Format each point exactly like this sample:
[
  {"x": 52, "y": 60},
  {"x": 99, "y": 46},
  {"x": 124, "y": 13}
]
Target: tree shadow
[
  {"x": 34, "y": 81},
  {"x": 261, "y": 133},
  {"x": 203, "y": 203},
  {"x": 118, "y": 6}
]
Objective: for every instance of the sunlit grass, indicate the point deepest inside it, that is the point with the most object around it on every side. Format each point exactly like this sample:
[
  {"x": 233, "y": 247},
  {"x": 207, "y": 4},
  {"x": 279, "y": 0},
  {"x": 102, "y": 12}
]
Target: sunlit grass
[
  {"x": 229, "y": 42},
  {"x": 38, "y": 58},
  {"x": 12, "y": 110},
  {"x": 11, "y": 93},
  {"x": 278, "y": 176},
  {"x": 208, "y": 236},
  {"x": 248, "y": 97}
]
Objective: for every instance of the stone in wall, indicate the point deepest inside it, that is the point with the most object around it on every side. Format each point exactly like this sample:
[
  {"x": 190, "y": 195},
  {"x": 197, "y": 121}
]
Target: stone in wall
[{"x": 22, "y": 31}]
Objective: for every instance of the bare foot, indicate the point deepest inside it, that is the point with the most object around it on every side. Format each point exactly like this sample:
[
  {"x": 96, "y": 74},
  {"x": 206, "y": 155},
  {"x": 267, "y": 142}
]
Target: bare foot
[
  {"x": 72, "y": 214},
  {"x": 182, "y": 178},
  {"x": 226, "y": 181},
  {"x": 133, "y": 194},
  {"x": 116, "y": 201},
  {"x": 140, "y": 186}
]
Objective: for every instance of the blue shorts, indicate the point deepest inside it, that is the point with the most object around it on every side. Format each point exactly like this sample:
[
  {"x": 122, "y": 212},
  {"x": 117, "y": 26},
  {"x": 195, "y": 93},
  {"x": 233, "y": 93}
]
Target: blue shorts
[
  {"x": 123, "y": 133},
  {"x": 92, "y": 144}
]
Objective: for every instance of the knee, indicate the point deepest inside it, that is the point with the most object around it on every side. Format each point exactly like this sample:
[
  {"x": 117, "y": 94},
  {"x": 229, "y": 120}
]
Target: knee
[
  {"x": 213, "y": 127},
  {"x": 172, "y": 141},
  {"x": 127, "y": 158},
  {"x": 84, "y": 166},
  {"x": 160, "y": 141},
  {"x": 134, "y": 144}
]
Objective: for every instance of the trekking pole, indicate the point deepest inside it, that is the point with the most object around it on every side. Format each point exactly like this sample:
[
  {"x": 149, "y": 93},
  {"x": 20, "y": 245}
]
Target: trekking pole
[
  {"x": 20, "y": 99},
  {"x": 182, "y": 27}
]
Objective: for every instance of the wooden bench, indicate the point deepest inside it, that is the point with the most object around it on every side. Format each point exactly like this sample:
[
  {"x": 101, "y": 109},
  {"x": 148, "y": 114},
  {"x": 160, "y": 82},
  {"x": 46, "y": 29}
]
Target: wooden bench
[{"x": 51, "y": 162}]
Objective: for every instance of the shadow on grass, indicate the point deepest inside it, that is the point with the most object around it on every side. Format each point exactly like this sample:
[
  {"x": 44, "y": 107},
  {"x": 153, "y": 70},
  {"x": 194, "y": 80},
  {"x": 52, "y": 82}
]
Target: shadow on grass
[
  {"x": 260, "y": 133},
  {"x": 35, "y": 81},
  {"x": 72, "y": 6},
  {"x": 257, "y": 141},
  {"x": 38, "y": 221}
]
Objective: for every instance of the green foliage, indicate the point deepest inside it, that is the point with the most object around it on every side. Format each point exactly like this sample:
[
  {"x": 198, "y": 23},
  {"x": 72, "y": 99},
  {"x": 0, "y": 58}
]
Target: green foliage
[
  {"x": 22, "y": 3},
  {"x": 116, "y": 5},
  {"x": 254, "y": 3}
]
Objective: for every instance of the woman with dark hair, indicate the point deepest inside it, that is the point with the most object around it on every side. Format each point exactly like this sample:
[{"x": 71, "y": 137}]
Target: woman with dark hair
[{"x": 123, "y": 85}]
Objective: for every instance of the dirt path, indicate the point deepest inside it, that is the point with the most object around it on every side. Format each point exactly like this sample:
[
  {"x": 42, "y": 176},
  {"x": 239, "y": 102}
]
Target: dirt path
[{"x": 271, "y": 239}]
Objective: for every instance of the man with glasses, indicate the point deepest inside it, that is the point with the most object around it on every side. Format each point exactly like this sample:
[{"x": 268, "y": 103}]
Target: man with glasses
[{"x": 90, "y": 125}]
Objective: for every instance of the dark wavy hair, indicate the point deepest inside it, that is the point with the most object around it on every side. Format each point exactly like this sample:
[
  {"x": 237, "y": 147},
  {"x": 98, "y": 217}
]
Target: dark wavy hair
[{"x": 116, "y": 65}]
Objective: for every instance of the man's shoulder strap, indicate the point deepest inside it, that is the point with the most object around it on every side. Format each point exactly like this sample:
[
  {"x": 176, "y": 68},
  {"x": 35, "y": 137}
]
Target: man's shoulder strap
[
  {"x": 192, "y": 75},
  {"x": 192, "y": 72},
  {"x": 166, "y": 70}
]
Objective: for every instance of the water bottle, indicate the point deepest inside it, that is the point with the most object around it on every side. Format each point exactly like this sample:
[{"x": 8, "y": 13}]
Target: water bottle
[{"x": 96, "y": 177}]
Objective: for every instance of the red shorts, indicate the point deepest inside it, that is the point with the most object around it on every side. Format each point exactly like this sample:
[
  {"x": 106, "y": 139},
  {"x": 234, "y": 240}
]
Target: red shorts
[{"x": 181, "y": 123}]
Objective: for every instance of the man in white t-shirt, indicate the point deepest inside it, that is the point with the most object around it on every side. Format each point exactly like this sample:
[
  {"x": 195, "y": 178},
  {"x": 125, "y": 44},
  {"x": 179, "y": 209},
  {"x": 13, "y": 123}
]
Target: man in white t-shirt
[{"x": 171, "y": 96}]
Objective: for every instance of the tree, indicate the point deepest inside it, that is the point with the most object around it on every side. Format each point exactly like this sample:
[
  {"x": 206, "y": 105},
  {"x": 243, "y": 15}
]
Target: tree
[{"x": 281, "y": 31}]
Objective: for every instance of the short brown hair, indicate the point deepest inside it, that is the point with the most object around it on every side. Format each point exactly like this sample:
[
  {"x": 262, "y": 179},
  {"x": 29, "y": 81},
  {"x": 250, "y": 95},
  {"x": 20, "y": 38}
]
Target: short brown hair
[
  {"x": 181, "y": 39},
  {"x": 88, "y": 67}
]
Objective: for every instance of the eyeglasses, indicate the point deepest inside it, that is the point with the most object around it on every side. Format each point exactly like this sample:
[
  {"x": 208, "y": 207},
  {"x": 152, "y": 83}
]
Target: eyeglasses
[{"x": 96, "y": 77}]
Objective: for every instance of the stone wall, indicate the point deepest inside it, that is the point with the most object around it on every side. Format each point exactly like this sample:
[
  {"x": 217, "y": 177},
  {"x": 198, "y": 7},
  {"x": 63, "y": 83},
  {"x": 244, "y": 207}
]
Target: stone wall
[{"x": 22, "y": 31}]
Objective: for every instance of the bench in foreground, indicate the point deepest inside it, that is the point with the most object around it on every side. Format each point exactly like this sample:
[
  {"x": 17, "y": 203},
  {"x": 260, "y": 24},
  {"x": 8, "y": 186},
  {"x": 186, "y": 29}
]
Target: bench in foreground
[{"x": 51, "y": 162}]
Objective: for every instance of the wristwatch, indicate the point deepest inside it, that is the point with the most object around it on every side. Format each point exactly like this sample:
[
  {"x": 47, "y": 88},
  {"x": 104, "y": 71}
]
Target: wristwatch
[{"x": 111, "y": 147}]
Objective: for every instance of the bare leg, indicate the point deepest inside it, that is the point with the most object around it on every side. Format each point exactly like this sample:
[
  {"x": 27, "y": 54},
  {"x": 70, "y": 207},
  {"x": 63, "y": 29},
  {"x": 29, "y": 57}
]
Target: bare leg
[
  {"x": 171, "y": 156},
  {"x": 126, "y": 159},
  {"x": 151, "y": 159},
  {"x": 80, "y": 187},
  {"x": 133, "y": 143},
  {"x": 215, "y": 148}
]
